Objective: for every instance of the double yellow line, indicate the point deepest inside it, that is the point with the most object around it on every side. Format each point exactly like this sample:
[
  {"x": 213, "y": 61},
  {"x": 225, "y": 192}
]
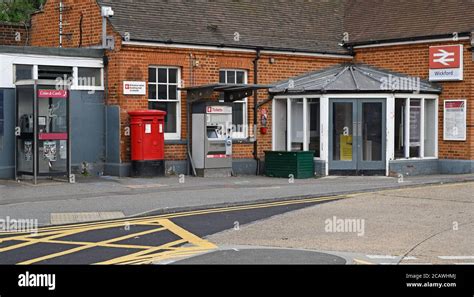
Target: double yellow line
[
  {"x": 146, "y": 219},
  {"x": 149, "y": 253}
]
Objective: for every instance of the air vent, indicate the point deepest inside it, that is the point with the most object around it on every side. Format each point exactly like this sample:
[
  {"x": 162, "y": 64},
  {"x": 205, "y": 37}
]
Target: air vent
[{"x": 53, "y": 72}]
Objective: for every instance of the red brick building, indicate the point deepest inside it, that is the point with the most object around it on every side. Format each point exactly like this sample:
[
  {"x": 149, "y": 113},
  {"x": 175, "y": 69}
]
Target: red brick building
[
  {"x": 14, "y": 34},
  {"x": 174, "y": 45}
]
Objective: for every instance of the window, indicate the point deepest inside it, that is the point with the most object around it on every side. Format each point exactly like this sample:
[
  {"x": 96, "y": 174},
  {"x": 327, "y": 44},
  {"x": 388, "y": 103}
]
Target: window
[
  {"x": 430, "y": 128},
  {"x": 163, "y": 94},
  {"x": 314, "y": 126},
  {"x": 23, "y": 72},
  {"x": 290, "y": 132},
  {"x": 239, "y": 108},
  {"x": 54, "y": 72},
  {"x": 89, "y": 77},
  {"x": 415, "y": 128}
]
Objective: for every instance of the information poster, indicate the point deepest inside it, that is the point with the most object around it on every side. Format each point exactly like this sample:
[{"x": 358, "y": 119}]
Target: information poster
[
  {"x": 346, "y": 147},
  {"x": 455, "y": 120},
  {"x": 49, "y": 151},
  {"x": 415, "y": 125},
  {"x": 28, "y": 150}
]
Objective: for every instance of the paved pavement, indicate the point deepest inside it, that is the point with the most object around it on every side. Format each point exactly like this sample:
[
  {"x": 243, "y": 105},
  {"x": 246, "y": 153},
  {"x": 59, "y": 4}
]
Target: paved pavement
[
  {"x": 94, "y": 197},
  {"x": 424, "y": 225},
  {"x": 154, "y": 239}
]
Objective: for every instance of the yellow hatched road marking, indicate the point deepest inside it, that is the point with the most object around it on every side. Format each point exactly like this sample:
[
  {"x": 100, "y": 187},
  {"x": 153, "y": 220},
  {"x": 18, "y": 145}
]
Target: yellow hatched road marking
[
  {"x": 146, "y": 253},
  {"x": 89, "y": 245},
  {"x": 199, "y": 244}
]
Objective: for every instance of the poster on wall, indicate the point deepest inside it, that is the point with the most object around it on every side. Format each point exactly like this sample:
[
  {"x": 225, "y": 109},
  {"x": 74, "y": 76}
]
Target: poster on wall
[
  {"x": 49, "y": 151},
  {"x": 28, "y": 150},
  {"x": 346, "y": 147},
  {"x": 415, "y": 121},
  {"x": 454, "y": 120}
]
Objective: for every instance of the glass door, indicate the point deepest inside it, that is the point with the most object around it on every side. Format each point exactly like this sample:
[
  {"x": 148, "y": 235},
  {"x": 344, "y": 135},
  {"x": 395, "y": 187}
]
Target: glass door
[
  {"x": 357, "y": 136},
  {"x": 342, "y": 151},
  {"x": 371, "y": 135},
  {"x": 52, "y": 131},
  {"x": 24, "y": 131}
]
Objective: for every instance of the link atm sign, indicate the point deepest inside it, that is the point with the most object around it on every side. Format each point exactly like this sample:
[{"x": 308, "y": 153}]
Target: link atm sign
[{"x": 446, "y": 63}]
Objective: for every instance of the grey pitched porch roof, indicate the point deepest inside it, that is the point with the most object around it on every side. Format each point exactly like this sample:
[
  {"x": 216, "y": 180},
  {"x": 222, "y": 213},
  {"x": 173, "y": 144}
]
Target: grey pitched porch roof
[{"x": 354, "y": 78}]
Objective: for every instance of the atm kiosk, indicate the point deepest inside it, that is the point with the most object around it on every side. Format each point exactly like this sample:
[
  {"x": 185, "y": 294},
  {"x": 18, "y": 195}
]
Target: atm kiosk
[
  {"x": 211, "y": 138},
  {"x": 43, "y": 142}
]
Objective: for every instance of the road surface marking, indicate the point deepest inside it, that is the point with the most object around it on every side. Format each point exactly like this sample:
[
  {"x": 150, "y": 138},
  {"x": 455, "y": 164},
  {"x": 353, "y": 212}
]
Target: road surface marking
[
  {"x": 409, "y": 258},
  {"x": 88, "y": 245},
  {"x": 456, "y": 257},
  {"x": 363, "y": 262},
  {"x": 198, "y": 212},
  {"x": 380, "y": 257},
  {"x": 143, "y": 253},
  {"x": 199, "y": 245}
]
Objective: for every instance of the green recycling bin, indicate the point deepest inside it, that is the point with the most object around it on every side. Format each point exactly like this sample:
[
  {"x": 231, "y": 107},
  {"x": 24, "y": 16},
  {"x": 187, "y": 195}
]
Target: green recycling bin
[{"x": 281, "y": 164}]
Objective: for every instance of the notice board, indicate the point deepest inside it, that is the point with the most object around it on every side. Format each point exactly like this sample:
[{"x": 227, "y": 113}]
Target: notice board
[{"x": 454, "y": 120}]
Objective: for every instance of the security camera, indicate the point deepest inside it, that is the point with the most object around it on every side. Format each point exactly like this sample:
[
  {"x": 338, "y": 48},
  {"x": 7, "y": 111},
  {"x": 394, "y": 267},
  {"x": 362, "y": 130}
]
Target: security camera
[{"x": 107, "y": 12}]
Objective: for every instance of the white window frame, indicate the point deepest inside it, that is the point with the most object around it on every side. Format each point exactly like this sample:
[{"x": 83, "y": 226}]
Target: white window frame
[
  {"x": 32, "y": 71},
  {"x": 75, "y": 81},
  {"x": 76, "y": 86},
  {"x": 406, "y": 127},
  {"x": 244, "y": 133},
  {"x": 176, "y": 135},
  {"x": 306, "y": 124}
]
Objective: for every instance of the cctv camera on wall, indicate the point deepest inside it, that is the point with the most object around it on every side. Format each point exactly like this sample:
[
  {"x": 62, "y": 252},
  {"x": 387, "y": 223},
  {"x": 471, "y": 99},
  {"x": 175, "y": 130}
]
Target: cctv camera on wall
[{"x": 107, "y": 11}]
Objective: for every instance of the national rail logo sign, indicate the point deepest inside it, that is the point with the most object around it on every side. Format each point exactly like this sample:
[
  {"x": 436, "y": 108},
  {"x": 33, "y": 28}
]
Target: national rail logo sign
[{"x": 446, "y": 63}]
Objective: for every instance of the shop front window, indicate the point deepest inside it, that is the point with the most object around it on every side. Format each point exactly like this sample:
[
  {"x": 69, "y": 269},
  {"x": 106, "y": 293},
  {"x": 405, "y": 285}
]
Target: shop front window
[
  {"x": 415, "y": 128},
  {"x": 314, "y": 126},
  {"x": 291, "y": 133},
  {"x": 163, "y": 94}
]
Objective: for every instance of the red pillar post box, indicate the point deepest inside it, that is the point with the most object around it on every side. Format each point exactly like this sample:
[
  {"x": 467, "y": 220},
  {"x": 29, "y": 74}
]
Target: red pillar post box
[{"x": 147, "y": 129}]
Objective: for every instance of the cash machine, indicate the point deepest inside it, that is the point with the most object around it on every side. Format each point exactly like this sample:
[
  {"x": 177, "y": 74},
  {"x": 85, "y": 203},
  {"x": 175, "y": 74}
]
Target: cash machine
[{"x": 212, "y": 138}]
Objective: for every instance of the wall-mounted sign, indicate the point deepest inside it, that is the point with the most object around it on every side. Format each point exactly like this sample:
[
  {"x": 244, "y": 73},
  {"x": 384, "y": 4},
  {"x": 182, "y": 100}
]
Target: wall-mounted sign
[
  {"x": 455, "y": 120},
  {"x": 52, "y": 93},
  {"x": 219, "y": 109},
  {"x": 446, "y": 62},
  {"x": 134, "y": 88}
]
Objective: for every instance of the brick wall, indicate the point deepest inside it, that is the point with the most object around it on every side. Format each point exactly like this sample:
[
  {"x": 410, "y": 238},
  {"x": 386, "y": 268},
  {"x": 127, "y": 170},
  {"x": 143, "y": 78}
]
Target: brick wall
[
  {"x": 82, "y": 24},
  {"x": 414, "y": 60},
  {"x": 14, "y": 34},
  {"x": 132, "y": 63}
]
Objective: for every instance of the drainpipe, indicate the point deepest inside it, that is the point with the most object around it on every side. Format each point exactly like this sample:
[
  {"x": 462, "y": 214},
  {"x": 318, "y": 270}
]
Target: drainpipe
[
  {"x": 105, "y": 60},
  {"x": 189, "y": 162},
  {"x": 255, "y": 110}
]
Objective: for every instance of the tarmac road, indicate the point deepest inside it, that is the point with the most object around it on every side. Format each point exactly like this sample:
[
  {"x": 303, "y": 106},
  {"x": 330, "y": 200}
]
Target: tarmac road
[{"x": 155, "y": 239}]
